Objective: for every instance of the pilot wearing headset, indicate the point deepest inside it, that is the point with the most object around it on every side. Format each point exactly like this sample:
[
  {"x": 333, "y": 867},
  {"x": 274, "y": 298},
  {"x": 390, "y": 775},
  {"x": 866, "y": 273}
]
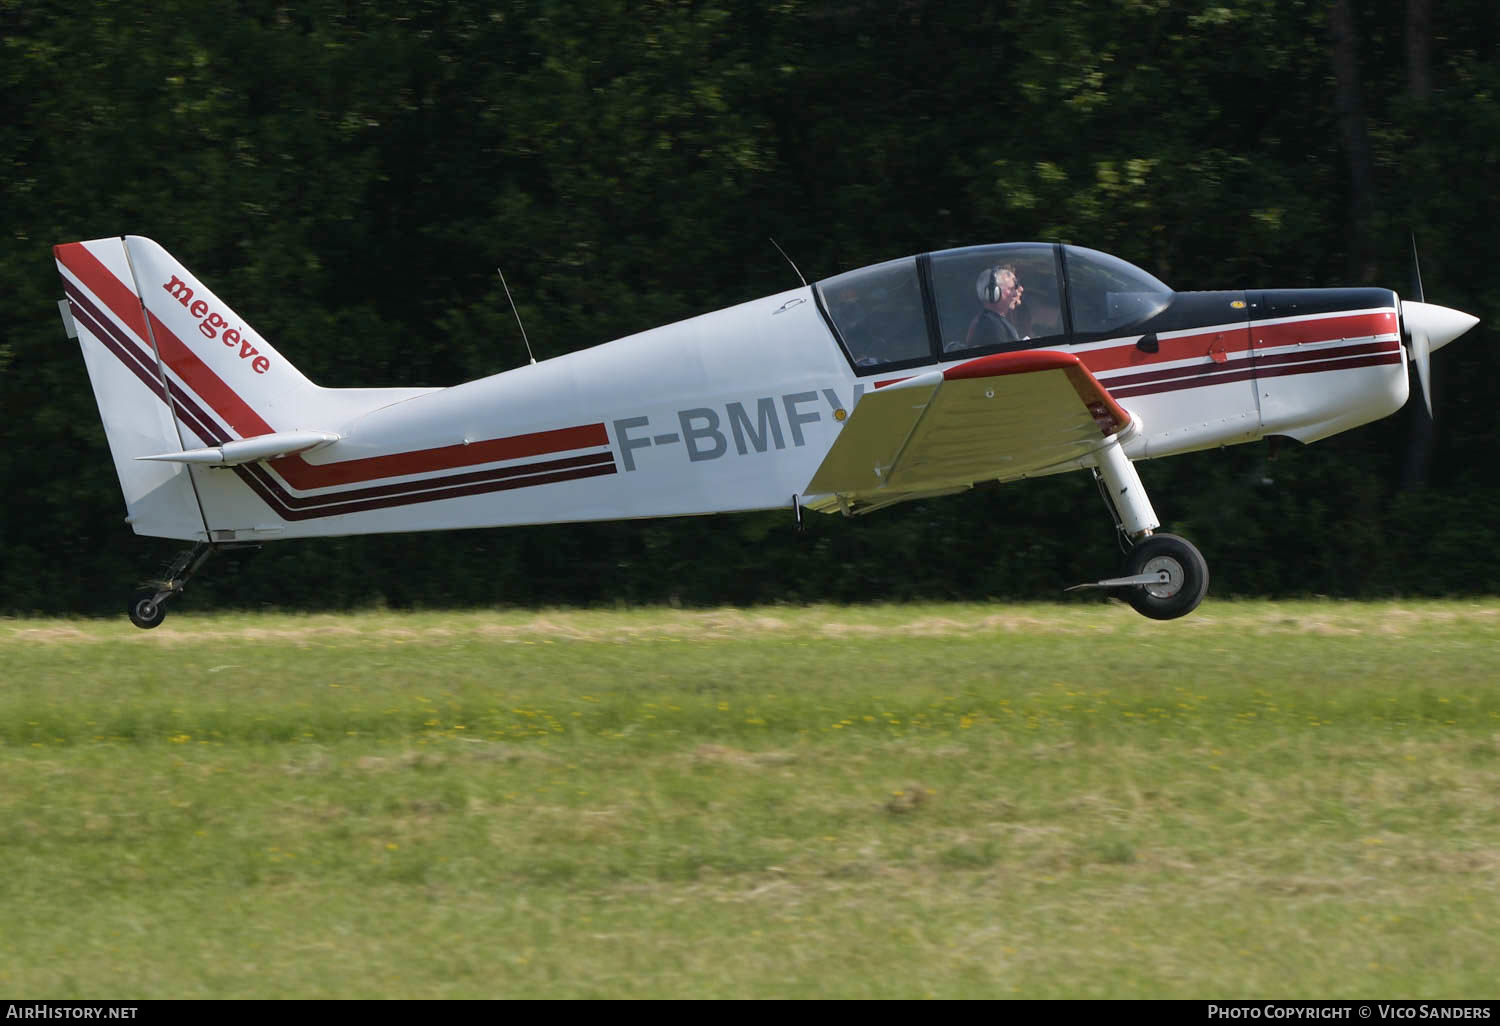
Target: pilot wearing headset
[{"x": 999, "y": 294}]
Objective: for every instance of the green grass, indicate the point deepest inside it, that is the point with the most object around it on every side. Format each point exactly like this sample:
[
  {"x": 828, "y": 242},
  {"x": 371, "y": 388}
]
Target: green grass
[{"x": 1288, "y": 800}]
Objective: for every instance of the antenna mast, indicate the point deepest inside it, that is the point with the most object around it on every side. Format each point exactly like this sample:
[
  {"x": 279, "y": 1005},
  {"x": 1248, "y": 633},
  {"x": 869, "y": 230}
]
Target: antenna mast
[
  {"x": 517, "y": 313},
  {"x": 788, "y": 259}
]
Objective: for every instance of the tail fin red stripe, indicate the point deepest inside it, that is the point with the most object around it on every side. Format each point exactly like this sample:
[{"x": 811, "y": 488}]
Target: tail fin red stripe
[
  {"x": 115, "y": 294},
  {"x": 197, "y": 375}
]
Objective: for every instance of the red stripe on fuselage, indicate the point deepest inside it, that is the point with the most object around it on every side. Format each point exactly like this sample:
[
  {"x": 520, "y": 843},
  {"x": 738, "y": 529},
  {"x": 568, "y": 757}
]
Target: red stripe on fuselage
[
  {"x": 1231, "y": 339},
  {"x": 1207, "y": 369},
  {"x": 447, "y": 457},
  {"x": 1244, "y": 371},
  {"x": 490, "y": 482},
  {"x": 1324, "y": 329},
  {"x": 358, "y": 500}
]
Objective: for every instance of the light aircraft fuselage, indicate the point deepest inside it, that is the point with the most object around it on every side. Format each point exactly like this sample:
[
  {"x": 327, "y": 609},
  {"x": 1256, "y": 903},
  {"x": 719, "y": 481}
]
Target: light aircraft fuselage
[{"x": 910, "y": 378}]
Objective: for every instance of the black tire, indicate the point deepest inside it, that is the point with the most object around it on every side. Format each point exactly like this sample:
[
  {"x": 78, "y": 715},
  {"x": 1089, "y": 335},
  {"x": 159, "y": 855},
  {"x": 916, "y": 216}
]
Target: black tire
[
  {"x": 1187, "y": 577},
  {"x": 145, "y": 612}
]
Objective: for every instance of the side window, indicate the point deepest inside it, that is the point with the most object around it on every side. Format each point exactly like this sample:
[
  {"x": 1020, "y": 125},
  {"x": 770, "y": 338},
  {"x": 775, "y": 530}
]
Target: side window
[
  {"x": 1108, "y": 295},
  {"x": 878, "y": 311},
  {"x": 995, "y": 298}
]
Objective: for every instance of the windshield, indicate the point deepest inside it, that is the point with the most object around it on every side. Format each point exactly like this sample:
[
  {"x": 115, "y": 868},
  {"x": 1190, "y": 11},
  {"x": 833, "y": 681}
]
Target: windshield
[{"x": 1107, "y": 295}]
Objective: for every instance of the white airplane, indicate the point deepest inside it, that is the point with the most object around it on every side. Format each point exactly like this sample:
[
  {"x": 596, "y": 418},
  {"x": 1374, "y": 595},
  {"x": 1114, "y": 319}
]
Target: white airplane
[{"x": 906, "y": 379}]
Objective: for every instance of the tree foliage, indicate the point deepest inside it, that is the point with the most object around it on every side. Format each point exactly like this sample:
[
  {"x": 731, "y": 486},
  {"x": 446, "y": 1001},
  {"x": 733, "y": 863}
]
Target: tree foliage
[{"x": 350, "y": 174}]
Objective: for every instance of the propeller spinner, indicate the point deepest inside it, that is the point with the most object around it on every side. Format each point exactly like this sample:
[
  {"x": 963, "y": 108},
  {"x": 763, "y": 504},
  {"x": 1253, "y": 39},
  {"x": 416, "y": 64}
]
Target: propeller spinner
[{"x": 1429, "y": 327}]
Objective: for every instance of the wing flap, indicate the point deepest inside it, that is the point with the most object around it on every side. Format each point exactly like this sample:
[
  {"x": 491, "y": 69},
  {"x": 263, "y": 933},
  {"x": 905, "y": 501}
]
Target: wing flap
[{"x": 999, "y": 417}]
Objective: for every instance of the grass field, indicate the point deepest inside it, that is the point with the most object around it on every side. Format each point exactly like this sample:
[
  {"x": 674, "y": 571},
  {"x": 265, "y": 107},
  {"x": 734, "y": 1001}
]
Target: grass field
[{"x": 1262, "y": 800}]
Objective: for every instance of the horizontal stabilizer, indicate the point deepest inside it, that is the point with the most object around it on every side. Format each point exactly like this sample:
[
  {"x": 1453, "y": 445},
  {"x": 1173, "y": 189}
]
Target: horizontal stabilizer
[{"x": 250, "y": 450}]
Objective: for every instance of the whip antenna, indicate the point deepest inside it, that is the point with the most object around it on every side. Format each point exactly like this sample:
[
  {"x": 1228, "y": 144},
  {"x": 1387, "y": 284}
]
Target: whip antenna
[
  {"x": 516, "y": 312},
  {"x": 788, "y": 259}
]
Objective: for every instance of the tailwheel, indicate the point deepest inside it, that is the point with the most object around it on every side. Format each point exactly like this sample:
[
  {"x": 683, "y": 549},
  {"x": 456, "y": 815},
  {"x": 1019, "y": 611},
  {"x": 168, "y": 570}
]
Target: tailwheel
[
  {"x": 145, "y": 611},
  {"x": 1181, "y": 577},
  {"x": 148, "y": 607}
]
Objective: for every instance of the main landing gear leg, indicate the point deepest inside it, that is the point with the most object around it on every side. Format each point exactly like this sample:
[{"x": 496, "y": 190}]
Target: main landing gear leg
[
  {"x": 148, "y": 607},
  {"x": 1165, "y": 576}
]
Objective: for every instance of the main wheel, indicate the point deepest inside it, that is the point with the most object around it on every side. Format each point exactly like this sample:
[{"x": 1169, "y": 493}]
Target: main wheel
[
  {"x": 145, "y": 612},
  {"x": 1184, "y": 577}
]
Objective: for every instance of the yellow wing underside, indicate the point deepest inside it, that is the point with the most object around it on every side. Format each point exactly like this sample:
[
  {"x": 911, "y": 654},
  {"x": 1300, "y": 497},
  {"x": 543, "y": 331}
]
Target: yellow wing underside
[{"x": 1000, "y": 417}]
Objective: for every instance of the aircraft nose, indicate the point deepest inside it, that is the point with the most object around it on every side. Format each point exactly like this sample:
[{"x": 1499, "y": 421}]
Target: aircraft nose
[{"x": 1440, "y": 324}]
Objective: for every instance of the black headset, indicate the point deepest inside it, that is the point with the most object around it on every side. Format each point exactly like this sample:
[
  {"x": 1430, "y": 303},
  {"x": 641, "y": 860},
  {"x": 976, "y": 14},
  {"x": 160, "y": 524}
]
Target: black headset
[{"x": 991, "y": 290}]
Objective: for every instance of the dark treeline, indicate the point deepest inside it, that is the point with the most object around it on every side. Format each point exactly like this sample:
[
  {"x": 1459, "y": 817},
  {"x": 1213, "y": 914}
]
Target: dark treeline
[{"x": 349, "y": 175}]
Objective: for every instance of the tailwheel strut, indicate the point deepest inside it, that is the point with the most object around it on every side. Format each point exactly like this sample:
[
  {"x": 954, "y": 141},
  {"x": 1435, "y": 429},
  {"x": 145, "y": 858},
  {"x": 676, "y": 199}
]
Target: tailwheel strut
[{"x": 148, "y": 607}]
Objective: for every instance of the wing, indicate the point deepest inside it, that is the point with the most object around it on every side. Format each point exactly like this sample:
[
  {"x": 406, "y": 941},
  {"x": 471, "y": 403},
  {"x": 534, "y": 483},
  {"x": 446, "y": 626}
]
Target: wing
[{"x": 999, "y": 417}]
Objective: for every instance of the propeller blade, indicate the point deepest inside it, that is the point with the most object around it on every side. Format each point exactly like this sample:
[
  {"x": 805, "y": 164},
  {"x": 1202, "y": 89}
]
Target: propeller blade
[
  {"x": 1421, "y": 358},
  {"x": 1416, "y": 272}
]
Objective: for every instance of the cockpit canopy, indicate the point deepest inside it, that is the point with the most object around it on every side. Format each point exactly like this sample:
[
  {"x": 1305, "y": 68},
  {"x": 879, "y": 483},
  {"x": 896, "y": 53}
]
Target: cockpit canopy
[{"x": 944, "y": 306}]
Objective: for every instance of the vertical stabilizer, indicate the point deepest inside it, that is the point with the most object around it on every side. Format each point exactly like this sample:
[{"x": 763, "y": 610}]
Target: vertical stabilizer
[
  {"x": 130, "y": 388},
  {"x": 210, "y": 349}
]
